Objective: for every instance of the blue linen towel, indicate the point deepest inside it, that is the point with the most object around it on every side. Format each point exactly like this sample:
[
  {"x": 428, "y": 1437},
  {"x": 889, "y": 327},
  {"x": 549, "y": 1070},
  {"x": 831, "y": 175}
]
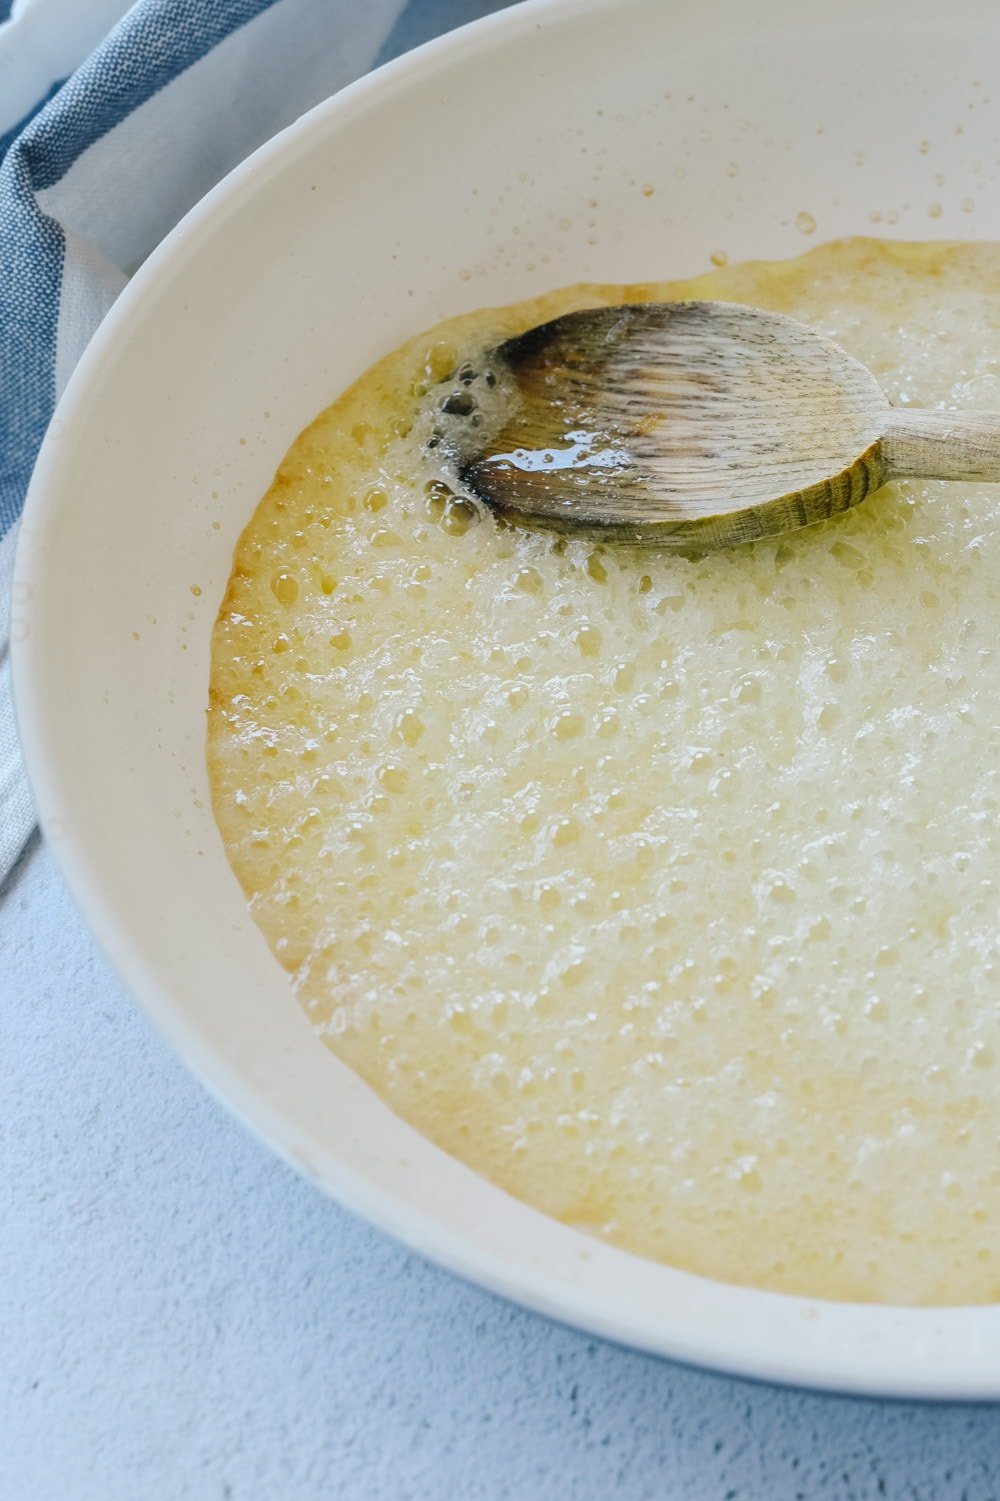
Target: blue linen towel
[{"x": 114, "y": 120}]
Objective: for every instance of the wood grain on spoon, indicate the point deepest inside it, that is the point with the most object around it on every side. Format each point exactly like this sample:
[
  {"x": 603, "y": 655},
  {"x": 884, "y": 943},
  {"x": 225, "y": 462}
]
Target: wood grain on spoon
[{"x": 698, "y": 424}]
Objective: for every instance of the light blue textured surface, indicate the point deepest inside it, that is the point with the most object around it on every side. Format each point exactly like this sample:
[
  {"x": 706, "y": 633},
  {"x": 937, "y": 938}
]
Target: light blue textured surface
[{"x": 182, "y": 1319}]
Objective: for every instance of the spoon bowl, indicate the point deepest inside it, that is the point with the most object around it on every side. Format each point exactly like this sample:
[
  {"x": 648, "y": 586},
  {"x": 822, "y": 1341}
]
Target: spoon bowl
[{"x": 697, "y": 424}]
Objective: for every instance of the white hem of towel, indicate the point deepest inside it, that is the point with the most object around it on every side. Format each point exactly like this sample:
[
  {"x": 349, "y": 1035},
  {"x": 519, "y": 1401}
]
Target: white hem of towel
[
  {"x": 172, "y": 148},
  {"x": 43, "y": 41},
  {"x": 17, "y": 810}
]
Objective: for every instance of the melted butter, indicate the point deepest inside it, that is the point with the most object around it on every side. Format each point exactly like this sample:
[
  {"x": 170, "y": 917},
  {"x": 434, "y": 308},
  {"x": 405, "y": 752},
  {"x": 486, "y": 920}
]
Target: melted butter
[{"x": 661, "y": 890}]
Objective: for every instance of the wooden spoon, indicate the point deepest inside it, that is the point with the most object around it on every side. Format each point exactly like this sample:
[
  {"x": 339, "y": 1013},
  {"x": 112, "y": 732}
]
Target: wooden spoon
[{"x": 695, "y": 424}]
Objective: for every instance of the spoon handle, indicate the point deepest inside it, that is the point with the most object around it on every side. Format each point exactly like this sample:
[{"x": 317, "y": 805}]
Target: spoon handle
[{"x": 941, "y": 445}]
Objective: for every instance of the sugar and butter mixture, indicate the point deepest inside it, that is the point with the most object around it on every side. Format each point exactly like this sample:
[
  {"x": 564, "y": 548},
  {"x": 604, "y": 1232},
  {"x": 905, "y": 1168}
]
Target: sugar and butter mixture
[{"x": 663, "y": 890}]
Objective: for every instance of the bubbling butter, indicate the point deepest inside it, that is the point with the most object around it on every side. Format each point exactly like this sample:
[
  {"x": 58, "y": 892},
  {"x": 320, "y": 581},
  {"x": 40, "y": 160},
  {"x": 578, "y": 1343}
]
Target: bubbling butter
[{"x": 661, "y": 890}]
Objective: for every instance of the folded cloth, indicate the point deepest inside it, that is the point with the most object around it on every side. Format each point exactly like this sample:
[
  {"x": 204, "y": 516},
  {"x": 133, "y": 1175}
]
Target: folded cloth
[{"x": 114, "y": 120}]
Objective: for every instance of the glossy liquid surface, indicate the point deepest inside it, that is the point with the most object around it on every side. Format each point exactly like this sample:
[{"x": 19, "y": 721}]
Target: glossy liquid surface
[{"x": 661, "y": 890}]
